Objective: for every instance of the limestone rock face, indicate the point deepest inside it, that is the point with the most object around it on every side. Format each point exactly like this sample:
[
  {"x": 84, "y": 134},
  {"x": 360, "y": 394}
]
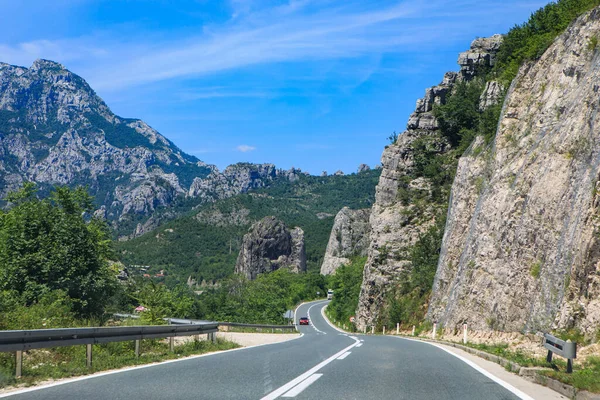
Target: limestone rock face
[
  {"x": 491, "y": 94},
  {"x": 394, "y": 225},
  {"x": 349, "y": 237},
  {"x": 268, "y": 246},
  {"x": 481, "y": 55},
  {"x": 56, "y": 130},
  {"x": 521, "y": 248}
]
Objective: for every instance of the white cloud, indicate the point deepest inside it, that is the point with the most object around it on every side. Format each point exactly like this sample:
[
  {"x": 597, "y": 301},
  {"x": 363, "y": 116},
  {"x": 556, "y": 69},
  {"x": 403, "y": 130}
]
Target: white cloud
[
  {"x": 244, "y": 148},
  {"x": 259, "y": 33}
]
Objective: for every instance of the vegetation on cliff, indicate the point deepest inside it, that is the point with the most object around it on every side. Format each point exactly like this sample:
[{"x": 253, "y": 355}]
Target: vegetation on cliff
[{"x": 529, "y": 40}]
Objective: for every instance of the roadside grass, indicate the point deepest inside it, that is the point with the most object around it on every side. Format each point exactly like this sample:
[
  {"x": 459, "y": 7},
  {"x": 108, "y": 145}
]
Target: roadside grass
[
  {"x": 241, "y": 329},
  {"x": 65, "y": 362},
  {"x": 584, "y": 377},
  {"x": 523, "y": 359}
]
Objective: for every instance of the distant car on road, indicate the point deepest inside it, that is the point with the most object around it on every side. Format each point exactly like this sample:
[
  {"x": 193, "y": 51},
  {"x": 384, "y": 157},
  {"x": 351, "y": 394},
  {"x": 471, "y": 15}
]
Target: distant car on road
[{"x": 304, "y": 321}]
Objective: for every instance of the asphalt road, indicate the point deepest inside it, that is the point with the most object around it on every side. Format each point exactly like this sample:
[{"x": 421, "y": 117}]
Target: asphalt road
[{"x": 322, "y": 364}]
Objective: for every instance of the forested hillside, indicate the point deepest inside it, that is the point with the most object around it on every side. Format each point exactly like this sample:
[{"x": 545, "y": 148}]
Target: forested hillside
[{"x": 205, "y": 243}]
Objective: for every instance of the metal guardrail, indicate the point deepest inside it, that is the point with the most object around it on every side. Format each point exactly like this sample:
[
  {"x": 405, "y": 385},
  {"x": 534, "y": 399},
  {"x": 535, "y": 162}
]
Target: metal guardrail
[
  {"x": 182, "y": 321},
  {"x": 566, "y": 349},
  {"x": 23, "y": 340}
]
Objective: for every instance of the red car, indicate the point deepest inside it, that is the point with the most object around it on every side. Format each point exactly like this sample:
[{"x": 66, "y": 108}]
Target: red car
[{"x": 304, "y": 321}]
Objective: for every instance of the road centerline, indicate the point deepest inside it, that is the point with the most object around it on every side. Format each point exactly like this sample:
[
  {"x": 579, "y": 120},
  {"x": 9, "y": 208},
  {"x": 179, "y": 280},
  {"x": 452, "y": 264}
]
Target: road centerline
[
  {"x": 278, "y": 392},
  {"x": 296, "y": 390}
]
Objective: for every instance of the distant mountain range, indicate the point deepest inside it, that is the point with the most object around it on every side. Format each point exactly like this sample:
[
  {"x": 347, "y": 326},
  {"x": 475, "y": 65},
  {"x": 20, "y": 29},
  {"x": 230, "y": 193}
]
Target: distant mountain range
[{"x": 55, "y": 130}]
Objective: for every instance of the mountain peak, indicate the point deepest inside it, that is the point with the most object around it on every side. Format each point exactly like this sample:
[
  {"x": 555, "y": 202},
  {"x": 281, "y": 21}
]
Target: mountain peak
[{"x": 41, "y": 63}]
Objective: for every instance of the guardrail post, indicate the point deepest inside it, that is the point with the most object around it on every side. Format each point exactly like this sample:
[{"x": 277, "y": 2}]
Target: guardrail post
[
  {"x": 137, "y": 348},
  {"x": 171, "y": 344},
  {"x": 397, "y": 328},
  {"x": 464, "y": 333},
  {"x": 19, "y": 363},
  {"x": 88, "y": 355},
  {"x": 549, "y": 356}
]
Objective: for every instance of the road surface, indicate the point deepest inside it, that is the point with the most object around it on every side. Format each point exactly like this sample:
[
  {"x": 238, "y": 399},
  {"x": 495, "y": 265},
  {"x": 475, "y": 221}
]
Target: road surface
[{"x": 322, "y": 364}]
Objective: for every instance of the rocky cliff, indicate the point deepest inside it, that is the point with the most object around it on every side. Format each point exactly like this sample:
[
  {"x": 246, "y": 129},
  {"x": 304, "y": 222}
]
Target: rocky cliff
[
  {"x": 270, "y": 245},
  {"x": 521, "y": 249},
  {"x": 55, "y": 130},
  {"x": 349, "y": 237},
  {"x": 403, "y": 211}
]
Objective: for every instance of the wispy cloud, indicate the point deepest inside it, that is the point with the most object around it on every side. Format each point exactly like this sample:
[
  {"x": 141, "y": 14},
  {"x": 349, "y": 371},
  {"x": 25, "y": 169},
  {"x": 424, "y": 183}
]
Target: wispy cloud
[
  {"x": 244, "y": 148},
  {"x": 297, "y": 31},
  {"x": 260, "y": 33}
]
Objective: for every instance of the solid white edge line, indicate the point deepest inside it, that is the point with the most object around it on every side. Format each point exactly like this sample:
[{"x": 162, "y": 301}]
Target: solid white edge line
[
  {"x": 126, "y": 369},
  {"x": 479, "y": 369},
  {"x": 302, "y": 385},
  {"x": 281, "y": 390},
  {"x": 329, "y": 322},
  {"x": 346, "y": 354}
]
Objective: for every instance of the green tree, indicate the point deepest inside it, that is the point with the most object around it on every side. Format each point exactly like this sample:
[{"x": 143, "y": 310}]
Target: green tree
[
  {"x": 53, "y": 244},
  {"x": 346, "y": 284}
]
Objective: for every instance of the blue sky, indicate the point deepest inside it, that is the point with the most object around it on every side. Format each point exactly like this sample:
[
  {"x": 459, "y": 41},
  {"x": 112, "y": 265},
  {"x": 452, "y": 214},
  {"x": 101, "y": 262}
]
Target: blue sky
[{"x": 318, "y": 85}]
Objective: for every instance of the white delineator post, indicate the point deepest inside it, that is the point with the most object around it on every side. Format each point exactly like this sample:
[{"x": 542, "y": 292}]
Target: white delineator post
[
  {"x": 373, "y": 330},
  {"x": 413, "y": 333},
  {"x": 384, "y": 329},
  {"x": 464, "y": 333},
  {"x": 365, "y": 329},
  {"x": 398, "y": 328},
  {"x": 434, "y": 329}
]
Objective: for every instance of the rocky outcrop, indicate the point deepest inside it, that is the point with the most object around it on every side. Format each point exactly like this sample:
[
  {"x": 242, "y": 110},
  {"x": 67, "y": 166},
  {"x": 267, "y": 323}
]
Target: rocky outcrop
[
  {"x": 363, "y": 168},
  {"x": 238, "y": 178},
  {"x": 55, "y": 130},
  {"x": 521, "y": 250},
  {"x": 269, "y": 246},
  {"x": 349, "y": 237},
  {"x": 396, "y": 225}
]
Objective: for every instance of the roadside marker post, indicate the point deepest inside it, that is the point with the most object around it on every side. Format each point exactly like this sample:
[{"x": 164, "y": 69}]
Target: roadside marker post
[
  {"x": 384, "y": 329},
  {"x": 19, "y": 362},
  {"x": 413, "y": 332},
  {"x": 88, "y": 355},
  {"x": 433, "y": 332},
  {"x": 464, "y": 333},
  {"x": 398, "y": 328},
  {"x": 372, "y": 329}
]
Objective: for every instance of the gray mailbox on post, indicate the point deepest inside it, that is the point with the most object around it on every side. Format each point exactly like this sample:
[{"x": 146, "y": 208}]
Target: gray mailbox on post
[{"x": 566, "y": 349}]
